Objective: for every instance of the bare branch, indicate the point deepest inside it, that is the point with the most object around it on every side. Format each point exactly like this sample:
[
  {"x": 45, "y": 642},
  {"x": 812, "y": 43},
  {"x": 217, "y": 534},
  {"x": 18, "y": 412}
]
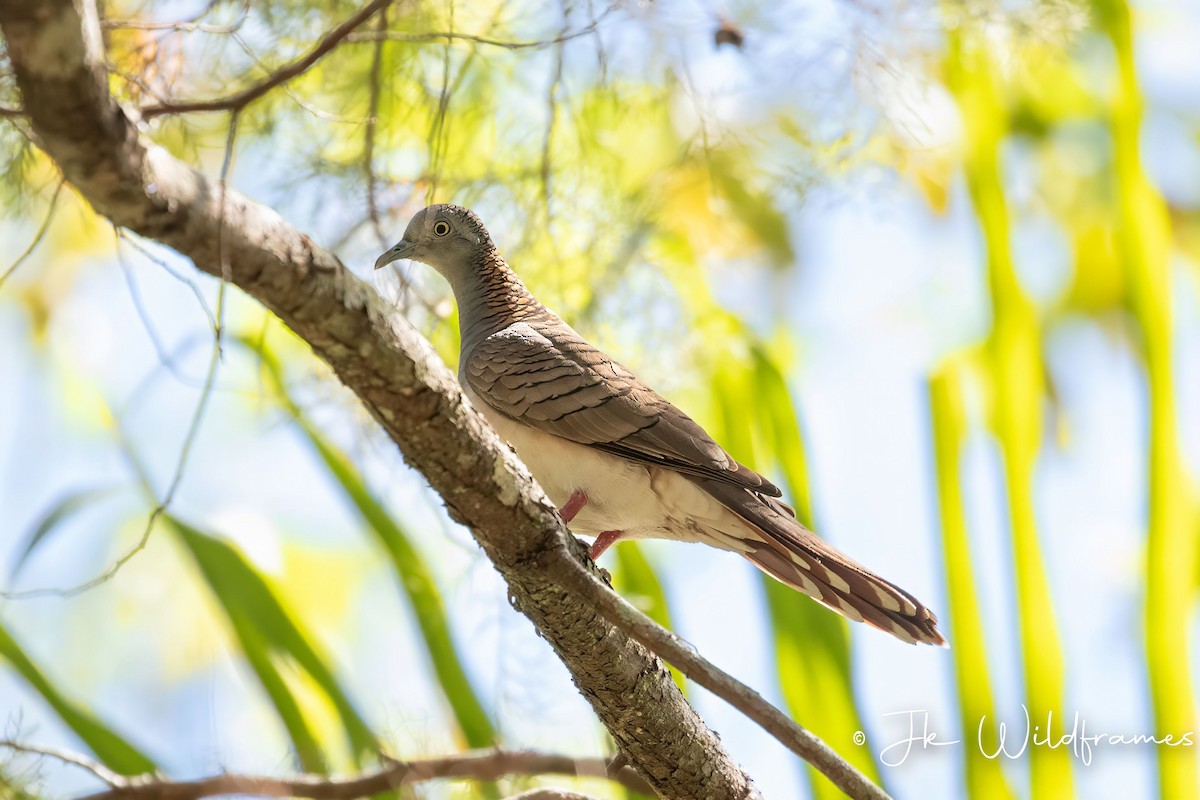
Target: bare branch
[
  {"x": 438, "y": 132},
  {"x": 477, "y": 765},
  {"x": 185, "y": 280},
  {"x": 138, "y": 83},
  {"x": 295, "y": 98},
  {"x": 74, "y": 759},
  {"x": 280, "y": 76},
  {"x": 398, "y": 36},
  {"x": 11, "y": 112}
]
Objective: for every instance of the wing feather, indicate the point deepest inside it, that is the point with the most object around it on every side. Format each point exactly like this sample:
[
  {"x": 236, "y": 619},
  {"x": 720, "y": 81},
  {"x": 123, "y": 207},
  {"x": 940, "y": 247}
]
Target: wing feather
[{"x": 545, "y": 375}]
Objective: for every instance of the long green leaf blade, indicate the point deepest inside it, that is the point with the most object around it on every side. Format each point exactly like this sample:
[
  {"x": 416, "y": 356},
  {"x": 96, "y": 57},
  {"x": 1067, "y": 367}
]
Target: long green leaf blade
[
  {"x": 264, "y": 627},
  {"x": 1143, "y": 237},
  {"x": 1017, "y": 391},
  {"x": 67, "y": 506},
  {"x": 114, "y": 751},
  {"x": 985, "y": 778},
  {"x": 415, "y": 576},
  {"x": 812, "y": 645}
]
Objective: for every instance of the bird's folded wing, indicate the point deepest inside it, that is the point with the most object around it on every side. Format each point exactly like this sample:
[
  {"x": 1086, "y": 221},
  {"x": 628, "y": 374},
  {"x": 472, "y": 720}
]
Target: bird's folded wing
[{"x": 546, "y": 376}]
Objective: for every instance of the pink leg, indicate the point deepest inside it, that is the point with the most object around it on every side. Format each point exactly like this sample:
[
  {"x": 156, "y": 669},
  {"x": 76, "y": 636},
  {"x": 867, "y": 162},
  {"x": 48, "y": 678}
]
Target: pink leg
[
  {"x": 603, "y": 542},
  {"x": 573, "y": 506}
]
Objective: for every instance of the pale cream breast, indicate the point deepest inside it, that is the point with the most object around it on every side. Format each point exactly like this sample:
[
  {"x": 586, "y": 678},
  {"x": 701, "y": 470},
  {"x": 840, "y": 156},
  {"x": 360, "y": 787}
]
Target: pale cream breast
[{"x": 621, "y": 495}]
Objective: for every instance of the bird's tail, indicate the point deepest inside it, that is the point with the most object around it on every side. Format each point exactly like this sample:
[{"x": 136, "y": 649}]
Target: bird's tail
[
  {"x": 849, "y": 589},
  {"x": 792, "y": 554}
]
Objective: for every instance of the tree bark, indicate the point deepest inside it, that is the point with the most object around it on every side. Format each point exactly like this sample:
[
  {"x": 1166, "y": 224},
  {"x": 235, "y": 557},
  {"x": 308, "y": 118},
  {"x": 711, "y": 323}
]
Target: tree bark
[{"x": 56, "y": 52}]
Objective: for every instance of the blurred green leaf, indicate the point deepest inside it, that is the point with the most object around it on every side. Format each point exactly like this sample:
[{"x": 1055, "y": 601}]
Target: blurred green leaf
[
  {"x": 635, "y": 580},
  {"x": 1017, "y": 393},
  {"x": 985, "y": 778},
  {"x": 781, "y": 429},
  {"x": 116, "y": 753},
  {"x": 415, "y": 576},
  {"x": 67, "y": 506},
  {"x": 757, "y": 210},
  {"x": 265, "y": 629},
  {"x": 1144, "y": 240},
  {"x": 812, "y": 643}
]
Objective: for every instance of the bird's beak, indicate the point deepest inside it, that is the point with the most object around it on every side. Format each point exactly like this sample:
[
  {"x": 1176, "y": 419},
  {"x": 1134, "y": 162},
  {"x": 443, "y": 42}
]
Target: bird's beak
[{"x": 403, "y": 249}]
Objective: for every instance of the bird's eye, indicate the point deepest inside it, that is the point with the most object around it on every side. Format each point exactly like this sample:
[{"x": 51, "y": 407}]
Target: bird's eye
[{"x": 441, "y": 228}]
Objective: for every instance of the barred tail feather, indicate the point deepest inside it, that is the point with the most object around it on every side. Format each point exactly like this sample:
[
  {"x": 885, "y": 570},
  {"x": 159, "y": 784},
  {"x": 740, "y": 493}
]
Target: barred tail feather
[
  {"x": 851, "y": 591},
  {"x": 789, "y": 552}
]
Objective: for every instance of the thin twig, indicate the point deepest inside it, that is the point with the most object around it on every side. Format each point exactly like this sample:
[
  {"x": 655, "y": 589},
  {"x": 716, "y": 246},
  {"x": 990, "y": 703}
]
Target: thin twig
[
  {"x": 74, "y": 759},
  {"x": 222, "y": 232},
  {"x": 240, "y": 100},
  {"x": 376, "y": 87},
  {"x": 398, "y": 36},
  {"x": 187, "y": 26},
  {"x": 437, "y": 130},
  {"x": 548, "y": 137},
  {"x": 478, "y": 765},
  {"x": 160, "y": 507},
  {"x": 5, "y": 111},
  {"x": 191, "y": 284},
  {"x": 135, "y": 297},
  {"x": 193, "y": 430},
  {"x": 696, "y": 667},
  {"x": 437, "y": 135},
  {"x": 41, "y": 233},
  {"x": 138, "y": 82},
  {"x": 295, "y": 98}
]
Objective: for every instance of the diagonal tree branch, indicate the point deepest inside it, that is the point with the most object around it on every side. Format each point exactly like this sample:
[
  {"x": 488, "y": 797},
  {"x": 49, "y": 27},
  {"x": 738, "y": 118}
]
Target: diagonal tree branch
[
  {"x": 57, "y": 55},
  {"x": 236, "y": 102}
]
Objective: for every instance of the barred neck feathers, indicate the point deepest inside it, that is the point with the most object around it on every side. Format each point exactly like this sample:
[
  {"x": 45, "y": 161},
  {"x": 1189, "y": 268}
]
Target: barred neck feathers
[{"x": 491, "y": 297}]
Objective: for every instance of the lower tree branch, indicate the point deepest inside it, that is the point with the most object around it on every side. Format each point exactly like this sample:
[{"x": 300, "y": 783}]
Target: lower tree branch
[
  {"x": 56, "y": 51},
  {"x": 551, "y": 794},
  {"x": 478, "y": 765}
]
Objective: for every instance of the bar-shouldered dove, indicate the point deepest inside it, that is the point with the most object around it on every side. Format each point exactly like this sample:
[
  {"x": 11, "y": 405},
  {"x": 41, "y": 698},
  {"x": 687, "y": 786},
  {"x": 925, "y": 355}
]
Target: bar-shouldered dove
[{"x": 618, "y": 459}]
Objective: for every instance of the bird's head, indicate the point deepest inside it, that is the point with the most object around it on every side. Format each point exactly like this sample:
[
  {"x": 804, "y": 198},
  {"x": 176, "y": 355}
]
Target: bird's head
[{"x": 449, "y": 238}]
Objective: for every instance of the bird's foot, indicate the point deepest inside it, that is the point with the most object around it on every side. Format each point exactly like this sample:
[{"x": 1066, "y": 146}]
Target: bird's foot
[
  {"x": 573, "y": 506},
  {"x": 603, "y": 541}
]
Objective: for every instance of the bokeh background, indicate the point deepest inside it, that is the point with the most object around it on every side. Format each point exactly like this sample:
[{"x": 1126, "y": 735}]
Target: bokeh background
[{"x": 935, "y": 267}]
